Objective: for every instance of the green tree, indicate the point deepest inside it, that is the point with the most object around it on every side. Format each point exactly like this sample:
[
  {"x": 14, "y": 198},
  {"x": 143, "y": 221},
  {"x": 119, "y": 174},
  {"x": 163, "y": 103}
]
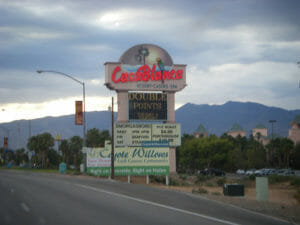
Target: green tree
[
  {"x": 287, "y": 147},
  {"x": 41, "y": 144},
  {"x": 295, "y": 157},
  {"x": 280, "y": 150},
  {"x": 54, "y": 158},
  {"x": 1, "y": 156},
  {"x": 200, "y": 153},
  {"x": 64, "y": 147},
  {"x": 96, "y": 138},
  {"x": 75, "y": 144},
  {"x": 21, "y": 156}
]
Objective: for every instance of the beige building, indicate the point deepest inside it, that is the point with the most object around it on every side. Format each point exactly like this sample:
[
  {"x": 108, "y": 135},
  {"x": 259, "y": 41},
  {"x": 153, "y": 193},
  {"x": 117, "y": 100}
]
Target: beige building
[
  {"x": 260, "y": 133},
  {"x": 294, "y": 131},
  {"x": 236, "y": 130},
  {"x": 200, "y": 132}
]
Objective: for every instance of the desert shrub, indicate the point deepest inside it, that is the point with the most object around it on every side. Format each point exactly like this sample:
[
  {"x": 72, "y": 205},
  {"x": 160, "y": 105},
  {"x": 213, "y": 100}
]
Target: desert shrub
[
  {"x": 252, "y": 177},
  {"x": 297, "y": 196},
  {"x": 158, "y": 179},
  {"x": 221, "y": 181},
  {"x": 295, "y": 181},
  {"x": 182, "y": 176},
  {"x": 202, "y": 178},
  {"x": 273, "y": 179},
  {"x": 209, "y": 184},
  {"x": 200, "y": 191},
  {"x": 173, "y": 182}
]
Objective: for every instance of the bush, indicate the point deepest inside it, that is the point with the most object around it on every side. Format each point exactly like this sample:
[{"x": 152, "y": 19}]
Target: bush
[
  {"x": 221, "y": 181},
  {"x": 158, "y": 179},
  {"x": 252, "y": 177},
  {"x": 297, "y": 196},
  {"x": 174, "y": 182},
  {"x": 209, "y": 184},
  {"x": 295, "y": 181},
  {"x": 202, "y": 178},
  {"x": 200, "y": 191},
  {"x": 182, "y": 176},
  {"x": 273, "y": 179}
]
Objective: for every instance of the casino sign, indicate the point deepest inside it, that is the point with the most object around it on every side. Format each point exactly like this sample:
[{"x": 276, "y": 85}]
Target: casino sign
[{"x": 145, "y": 67}]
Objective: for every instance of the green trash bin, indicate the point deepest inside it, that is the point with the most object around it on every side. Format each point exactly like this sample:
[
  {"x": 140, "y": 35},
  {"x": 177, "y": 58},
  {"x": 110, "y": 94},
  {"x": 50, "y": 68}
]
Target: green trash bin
[
  {"x": 233, "y": 190},
  {"x": 62, "y": 168}
]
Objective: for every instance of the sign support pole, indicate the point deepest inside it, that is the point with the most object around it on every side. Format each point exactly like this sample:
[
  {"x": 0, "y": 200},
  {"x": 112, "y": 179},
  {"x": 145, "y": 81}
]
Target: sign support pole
[{"x": 112, "y": 140}]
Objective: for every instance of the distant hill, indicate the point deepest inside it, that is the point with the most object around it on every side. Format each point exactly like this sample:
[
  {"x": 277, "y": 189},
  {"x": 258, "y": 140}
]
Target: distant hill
[{"x": 217, "y": 119}]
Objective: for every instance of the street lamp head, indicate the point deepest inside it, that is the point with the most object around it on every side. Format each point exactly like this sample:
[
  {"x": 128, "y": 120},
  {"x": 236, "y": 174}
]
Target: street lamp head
[
  {"x": 272, "y": 121},
  {"x": 39, "y": 71}
]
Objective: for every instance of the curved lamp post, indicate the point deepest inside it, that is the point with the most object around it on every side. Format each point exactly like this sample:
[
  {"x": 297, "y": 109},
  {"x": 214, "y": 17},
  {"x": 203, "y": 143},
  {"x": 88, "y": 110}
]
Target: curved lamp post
[{"x": 83, "y": 93}]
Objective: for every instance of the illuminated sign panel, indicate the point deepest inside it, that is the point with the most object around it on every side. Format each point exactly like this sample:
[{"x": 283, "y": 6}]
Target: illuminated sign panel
[
  {"x": 145, "y": 67},
  {"x": 147, "y": 106},
  {"x": 134, "y": 134},
  {"x": 145, "y": 79}
]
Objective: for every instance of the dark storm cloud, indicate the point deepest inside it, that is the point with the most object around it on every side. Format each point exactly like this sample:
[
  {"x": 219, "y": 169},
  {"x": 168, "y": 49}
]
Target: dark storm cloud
[{"x": 77, "y": 37}]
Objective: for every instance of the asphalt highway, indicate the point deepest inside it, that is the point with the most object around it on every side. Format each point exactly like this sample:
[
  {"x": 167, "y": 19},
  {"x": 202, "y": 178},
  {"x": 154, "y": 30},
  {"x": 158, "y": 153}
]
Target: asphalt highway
[{"x": 37, "y": 198}]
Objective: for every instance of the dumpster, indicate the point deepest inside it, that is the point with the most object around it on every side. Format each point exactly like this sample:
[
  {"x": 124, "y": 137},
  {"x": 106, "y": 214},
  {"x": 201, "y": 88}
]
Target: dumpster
[{"x": 233, "y": 190}]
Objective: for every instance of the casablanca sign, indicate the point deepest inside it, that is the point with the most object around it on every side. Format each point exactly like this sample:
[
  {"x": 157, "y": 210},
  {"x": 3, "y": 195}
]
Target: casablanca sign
[
  {"x": 145, "y": 68},
  {"x": 146, "y": 133}
]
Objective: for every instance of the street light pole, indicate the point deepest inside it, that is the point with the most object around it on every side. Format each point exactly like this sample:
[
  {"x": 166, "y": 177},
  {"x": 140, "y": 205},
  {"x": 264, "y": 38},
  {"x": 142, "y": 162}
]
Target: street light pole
[
  {"x": 83, "y": 96},
  {"x": 272, "y": 137},
  {"x": 272, "y": 122}
]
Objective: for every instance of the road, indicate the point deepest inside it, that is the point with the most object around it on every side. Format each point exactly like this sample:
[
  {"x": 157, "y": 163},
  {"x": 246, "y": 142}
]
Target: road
[{"x": 38, "y": 198}]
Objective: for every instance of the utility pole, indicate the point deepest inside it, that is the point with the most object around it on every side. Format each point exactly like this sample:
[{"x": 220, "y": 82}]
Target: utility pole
[{"x": 112, "y": 141}]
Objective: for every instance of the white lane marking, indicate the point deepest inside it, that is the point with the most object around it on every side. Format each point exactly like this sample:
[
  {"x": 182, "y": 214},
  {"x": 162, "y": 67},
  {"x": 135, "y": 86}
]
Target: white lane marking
[
  {"x": 157, "y": 204},
  {"x": 25, "y": 207}
]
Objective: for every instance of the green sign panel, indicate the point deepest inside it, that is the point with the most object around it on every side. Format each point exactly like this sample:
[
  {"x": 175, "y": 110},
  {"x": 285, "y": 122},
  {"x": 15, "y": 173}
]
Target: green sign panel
[{"x": 129, "y": 161}]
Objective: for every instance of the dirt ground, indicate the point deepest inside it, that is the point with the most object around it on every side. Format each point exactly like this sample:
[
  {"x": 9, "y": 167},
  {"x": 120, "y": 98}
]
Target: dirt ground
[{"x": 281, "y": 204}]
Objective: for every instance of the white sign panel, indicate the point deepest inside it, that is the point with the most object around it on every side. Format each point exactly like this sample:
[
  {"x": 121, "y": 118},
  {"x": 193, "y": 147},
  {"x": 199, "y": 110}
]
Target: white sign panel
[
  {"x": 167, "y": 132},
  {"x": 134, "y": 134},
  {"x": 131, "y": 134}
]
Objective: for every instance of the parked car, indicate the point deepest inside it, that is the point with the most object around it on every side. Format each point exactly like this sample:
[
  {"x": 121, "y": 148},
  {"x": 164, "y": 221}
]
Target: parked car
[
  {"x": 297, "y": 173},
  {"x": 285, "y": 172},
  {"x": 272, "y": 171},
  {"x": 250, "y": 172},
  {"x": 212, "y": 172},
  {"x": 258, "y": 173},
  {"x": 240, "y": 172}
]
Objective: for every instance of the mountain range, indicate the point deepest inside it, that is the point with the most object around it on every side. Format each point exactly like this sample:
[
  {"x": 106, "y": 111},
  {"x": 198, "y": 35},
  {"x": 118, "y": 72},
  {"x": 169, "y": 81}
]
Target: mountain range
[{"x": 217, "y": 119}]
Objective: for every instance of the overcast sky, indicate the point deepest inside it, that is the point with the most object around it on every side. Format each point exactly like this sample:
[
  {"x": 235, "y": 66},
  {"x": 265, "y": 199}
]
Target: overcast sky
[{"x": 235, "y": 50}]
